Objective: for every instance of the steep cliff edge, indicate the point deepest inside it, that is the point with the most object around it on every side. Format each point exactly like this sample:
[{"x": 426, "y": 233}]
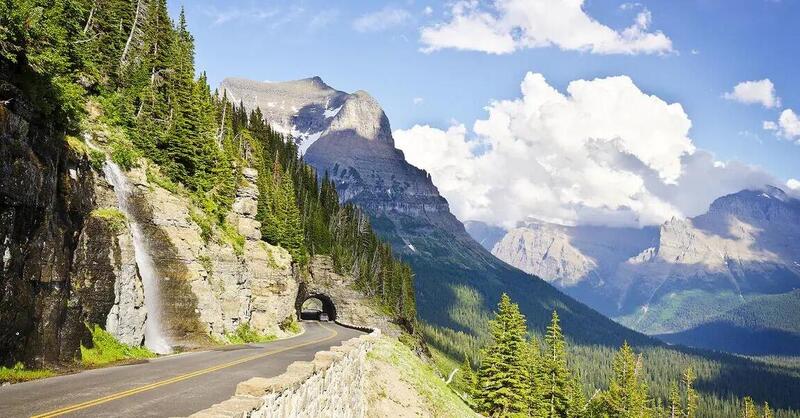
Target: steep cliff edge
[{"x": 52, "y": 277}]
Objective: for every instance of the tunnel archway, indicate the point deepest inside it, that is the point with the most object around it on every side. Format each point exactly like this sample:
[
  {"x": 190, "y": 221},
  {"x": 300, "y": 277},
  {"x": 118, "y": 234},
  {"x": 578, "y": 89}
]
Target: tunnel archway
[{"x": 313, "y": 305}]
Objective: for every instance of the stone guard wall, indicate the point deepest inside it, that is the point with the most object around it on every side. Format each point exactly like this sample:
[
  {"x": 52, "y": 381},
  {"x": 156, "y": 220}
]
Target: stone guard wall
[{"x": 331, "y": 385}]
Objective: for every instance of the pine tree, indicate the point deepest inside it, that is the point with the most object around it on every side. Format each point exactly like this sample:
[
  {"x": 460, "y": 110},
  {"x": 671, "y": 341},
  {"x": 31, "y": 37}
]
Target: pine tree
[
  {"x": 627, "y": 394},
  {"x": 533, "y": 362},
  {"x": 675, "y": 410},
  {"x": 503, "y": 381},
  {"x": 576, "y": 400},
  {"x": 293, "y": 228},
  {"x": 691, "y": 394},
  {"x": 468, "y": 378},
  {"x": 555, "y": 372},
  {"x": 749, "y": 410},
  {"x": 767, "y": 411}
]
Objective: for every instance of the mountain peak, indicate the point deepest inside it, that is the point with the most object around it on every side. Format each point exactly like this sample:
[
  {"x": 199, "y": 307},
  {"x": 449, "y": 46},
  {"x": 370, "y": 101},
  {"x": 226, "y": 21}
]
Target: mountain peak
[{"x": 776, "y": 192}]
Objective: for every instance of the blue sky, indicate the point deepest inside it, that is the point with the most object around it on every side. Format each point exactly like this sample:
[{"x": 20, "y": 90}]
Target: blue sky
[{"x": 377, "y": 46}]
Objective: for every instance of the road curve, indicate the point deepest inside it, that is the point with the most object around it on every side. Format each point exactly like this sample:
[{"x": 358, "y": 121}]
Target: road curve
[{"x": 176, "y": 385}]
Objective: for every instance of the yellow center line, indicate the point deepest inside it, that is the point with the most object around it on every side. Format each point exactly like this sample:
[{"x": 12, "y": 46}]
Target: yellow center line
[{"x": 154, "y": 385}]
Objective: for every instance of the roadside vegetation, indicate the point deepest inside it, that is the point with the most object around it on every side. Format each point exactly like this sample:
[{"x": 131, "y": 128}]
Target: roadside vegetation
[
  {"x": 106, "y": 350},
  {"x": 19, "y": 373},
  {"x": 245, "y": 335}
]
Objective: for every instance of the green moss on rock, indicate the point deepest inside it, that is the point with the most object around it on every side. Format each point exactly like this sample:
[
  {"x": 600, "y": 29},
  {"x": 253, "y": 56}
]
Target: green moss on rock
[{"x": 113, "y": 216}]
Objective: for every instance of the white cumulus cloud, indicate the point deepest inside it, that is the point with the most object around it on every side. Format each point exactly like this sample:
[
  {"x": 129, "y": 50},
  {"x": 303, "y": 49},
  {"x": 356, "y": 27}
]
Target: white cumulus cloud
[
  {"x": 755, "y": 92},
  {"x": 383, "y": 19},
  {"x": 794, "y": 186},
  {"x": 603, "y": 152},
  {"x": 509, "y": 25},
  {"x": 787, "y": 126}
]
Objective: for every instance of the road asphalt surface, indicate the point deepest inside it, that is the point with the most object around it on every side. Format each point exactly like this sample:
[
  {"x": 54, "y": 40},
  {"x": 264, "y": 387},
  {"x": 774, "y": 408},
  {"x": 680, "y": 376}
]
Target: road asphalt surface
[{"x": 176, "y": 385}]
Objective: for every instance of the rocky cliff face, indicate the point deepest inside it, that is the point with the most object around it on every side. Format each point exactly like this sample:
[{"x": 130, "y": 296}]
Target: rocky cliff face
[
  {"x": 58, "y": 262},
  {"x": 679, "y": 276},
  {"x": 352, "y": 307},
  {"x": 210, "y": 287},
  {"x": 68, "y": 255}
]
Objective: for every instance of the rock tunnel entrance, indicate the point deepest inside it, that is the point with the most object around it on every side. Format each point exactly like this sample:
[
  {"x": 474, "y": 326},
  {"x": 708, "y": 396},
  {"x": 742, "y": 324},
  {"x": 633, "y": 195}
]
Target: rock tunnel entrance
[{"x": 313, "y": 306}]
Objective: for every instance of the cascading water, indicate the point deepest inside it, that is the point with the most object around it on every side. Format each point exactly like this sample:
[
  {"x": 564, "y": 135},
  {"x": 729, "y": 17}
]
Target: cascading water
[{"x": 153, "y": 337}]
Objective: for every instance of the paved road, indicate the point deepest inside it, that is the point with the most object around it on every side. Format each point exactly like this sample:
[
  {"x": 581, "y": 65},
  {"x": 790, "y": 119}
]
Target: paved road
[{"x": 176, "y": 385}]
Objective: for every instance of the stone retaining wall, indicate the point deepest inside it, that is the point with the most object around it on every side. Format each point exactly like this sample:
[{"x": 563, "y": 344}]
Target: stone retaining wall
[{"x": 331, "y": 385}]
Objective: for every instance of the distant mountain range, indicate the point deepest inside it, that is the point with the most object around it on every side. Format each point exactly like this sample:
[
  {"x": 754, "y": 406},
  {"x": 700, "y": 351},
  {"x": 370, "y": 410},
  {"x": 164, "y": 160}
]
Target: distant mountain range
[
  {"x": 723, "y": 280},
  {"x": 458, "y": 281}
]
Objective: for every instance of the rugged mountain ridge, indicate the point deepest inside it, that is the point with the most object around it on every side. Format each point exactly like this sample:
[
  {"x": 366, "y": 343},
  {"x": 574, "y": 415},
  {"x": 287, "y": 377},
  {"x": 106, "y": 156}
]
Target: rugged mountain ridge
[
  {"x": 352, "y": 143},
  {"x": 686, "y": 274}
]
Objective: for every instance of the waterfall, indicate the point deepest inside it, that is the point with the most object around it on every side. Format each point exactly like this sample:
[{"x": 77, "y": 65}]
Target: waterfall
[{"x": 154, "y": 339}]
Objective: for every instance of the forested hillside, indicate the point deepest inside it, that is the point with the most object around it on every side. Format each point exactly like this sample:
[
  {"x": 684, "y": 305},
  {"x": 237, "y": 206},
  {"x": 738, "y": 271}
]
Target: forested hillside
[
  {"x": 127, "y": 68},
  {"x": 541, "y": 377}
]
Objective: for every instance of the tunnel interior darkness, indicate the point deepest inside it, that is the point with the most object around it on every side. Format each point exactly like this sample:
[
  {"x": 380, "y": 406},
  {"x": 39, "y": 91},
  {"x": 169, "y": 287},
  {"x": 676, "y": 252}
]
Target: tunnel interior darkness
[{"x": 313, "y": 305}]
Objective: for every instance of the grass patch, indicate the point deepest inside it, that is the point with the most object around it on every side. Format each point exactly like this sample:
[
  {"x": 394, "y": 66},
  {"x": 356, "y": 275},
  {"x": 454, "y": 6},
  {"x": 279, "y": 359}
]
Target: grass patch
[
  {"x": 244, "y": 335},
  {"x": 19, "y": 373},
  {"x": 440, "y": 399},
  {"x": 113, "y": 216},
  {"x": 233, "y": 237},
  {"x": 107, "y": 349},
  {"x": 77, "y": 145}
]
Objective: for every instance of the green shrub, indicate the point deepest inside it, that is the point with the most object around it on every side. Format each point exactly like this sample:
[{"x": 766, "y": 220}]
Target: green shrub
[
  {"x": 244, "y": 335},
  {"x": 77, "y": 145},
  {"x": 205, "y": 224},
  {"x": 290, "y": 325},
  {"x": 97, "y": 158},
  {"x": 115, "y": 218},
  {"x": 123, "y": 152},
  {"x": 19, "y": 373},
  {"x": 205, "y": 261},
  {"x": 106, "y": 349},
  {"x": 234, "y": 238}
]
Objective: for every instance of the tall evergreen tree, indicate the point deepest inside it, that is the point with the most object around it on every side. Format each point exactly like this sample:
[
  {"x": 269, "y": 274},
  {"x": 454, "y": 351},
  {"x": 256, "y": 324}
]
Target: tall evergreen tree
[
  {"x": 675, "y": 409},
  {"x": 691, "y": 394},
  {"x": 767, "y": 411},
  {"x": 468, "y": 378},
  {"x": 503, "y": 381},
  {"x": 557, "y": 393},
  {"x": 749, "y": 410},
  {"x": 627, "y": 394},
  {"x": 533, "y": 362}
]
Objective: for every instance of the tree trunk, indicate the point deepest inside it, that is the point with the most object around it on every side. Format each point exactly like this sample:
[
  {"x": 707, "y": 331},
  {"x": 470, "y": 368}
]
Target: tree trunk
[{"x": 133, "y": 30}]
